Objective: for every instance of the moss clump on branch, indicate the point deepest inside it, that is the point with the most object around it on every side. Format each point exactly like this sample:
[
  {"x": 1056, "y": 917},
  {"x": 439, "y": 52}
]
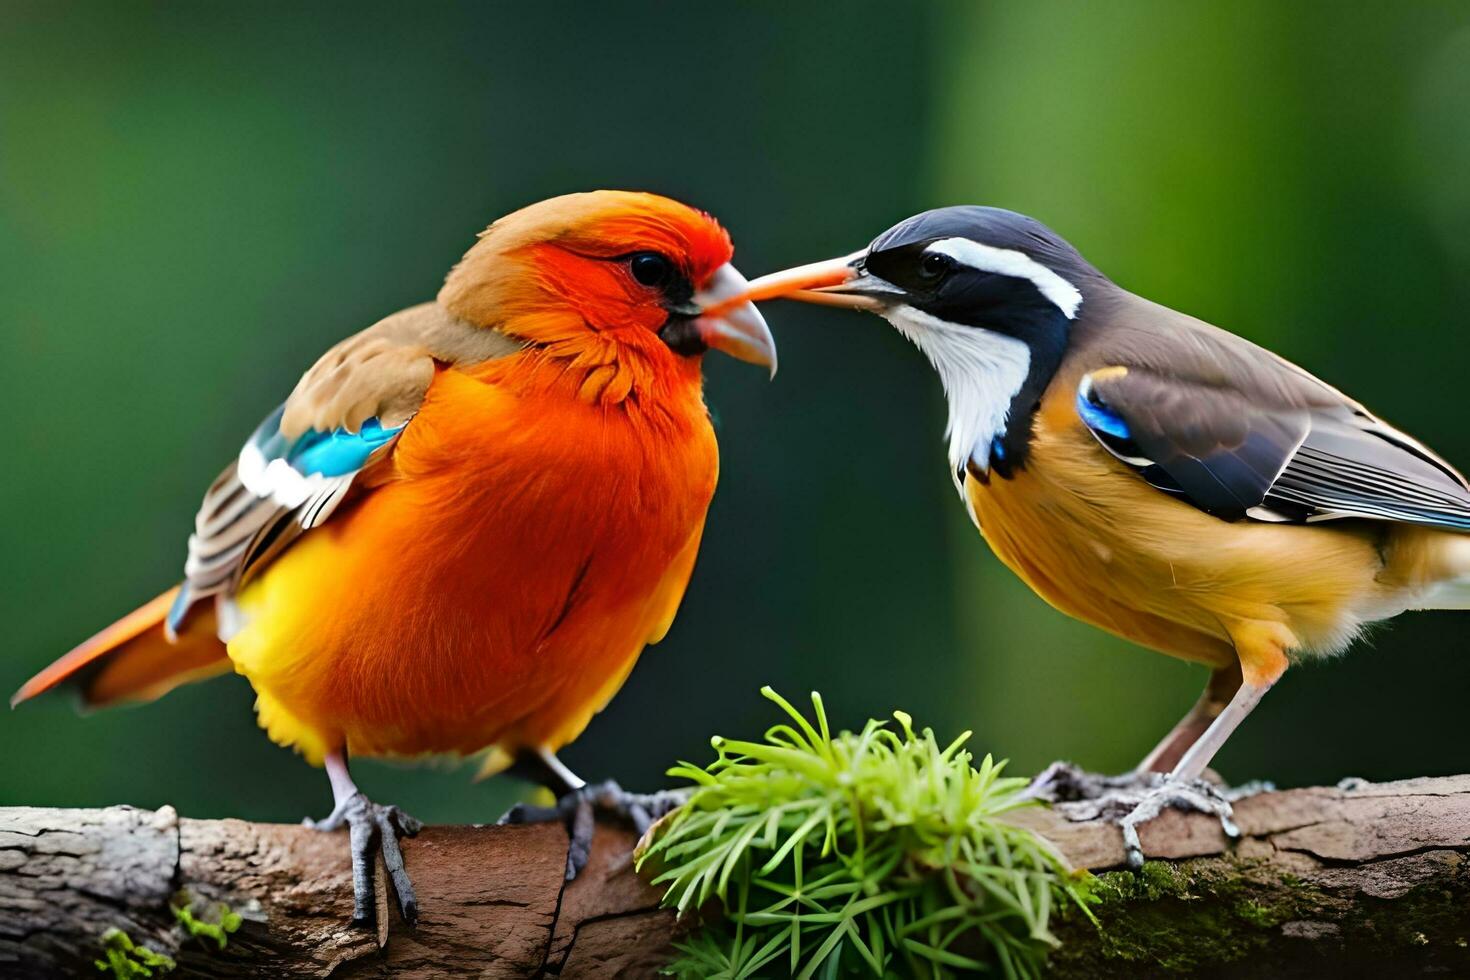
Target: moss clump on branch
[
  {"x": 126, "y": 960},
  {"x": 221, "y": 920},
  {"x": 880, "y": 852},
  {"x": 1198, "y": 916},
  {"x": 1183, "y": 918}
]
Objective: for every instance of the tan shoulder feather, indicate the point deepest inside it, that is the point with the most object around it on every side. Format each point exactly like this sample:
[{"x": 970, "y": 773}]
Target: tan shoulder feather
[{"x": 385, "y": 370}]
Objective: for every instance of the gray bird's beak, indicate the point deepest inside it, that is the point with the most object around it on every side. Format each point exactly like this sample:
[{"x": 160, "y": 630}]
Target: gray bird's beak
[
  {"x": 729, "y": 321},
  {"x": 835, "y": 282}
]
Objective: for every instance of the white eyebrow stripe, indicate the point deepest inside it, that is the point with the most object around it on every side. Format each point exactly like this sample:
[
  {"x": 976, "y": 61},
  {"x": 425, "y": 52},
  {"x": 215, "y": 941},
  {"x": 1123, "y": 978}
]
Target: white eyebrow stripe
[{"x": 1008, "y": 262}]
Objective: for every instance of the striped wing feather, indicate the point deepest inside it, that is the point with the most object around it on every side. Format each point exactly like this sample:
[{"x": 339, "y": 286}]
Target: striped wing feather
[
  {"x": 276, "y": 490},
  {"x": 305, "y": 459},
  {"x": 1237, "y": 452}
]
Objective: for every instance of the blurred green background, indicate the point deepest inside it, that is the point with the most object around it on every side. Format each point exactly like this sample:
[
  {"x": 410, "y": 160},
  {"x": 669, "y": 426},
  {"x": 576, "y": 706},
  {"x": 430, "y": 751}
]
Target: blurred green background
[{"x": 196, "y": 201}]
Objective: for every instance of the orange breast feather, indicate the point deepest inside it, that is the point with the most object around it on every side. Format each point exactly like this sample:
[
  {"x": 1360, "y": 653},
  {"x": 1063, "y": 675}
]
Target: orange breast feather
[{"x": 498, "y": 588}]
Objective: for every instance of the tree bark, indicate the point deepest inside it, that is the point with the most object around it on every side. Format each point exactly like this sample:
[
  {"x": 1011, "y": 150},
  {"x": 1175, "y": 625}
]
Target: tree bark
[
  {"x": 492, "y": 900},
  {"x": 1369, "y": 881}
]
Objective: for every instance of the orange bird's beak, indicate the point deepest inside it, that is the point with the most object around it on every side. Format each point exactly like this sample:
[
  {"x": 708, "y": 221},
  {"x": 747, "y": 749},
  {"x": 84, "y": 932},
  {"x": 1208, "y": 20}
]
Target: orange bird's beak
[
  {"x": 730, "y": 323},
  {"x": 835, "y": 282}
]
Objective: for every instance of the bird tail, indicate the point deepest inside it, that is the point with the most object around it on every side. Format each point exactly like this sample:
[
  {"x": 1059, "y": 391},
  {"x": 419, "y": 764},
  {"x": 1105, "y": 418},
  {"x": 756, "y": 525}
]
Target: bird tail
[
  {"x": 134, "y": 659},
  {"x": 1431, "y": 566}
]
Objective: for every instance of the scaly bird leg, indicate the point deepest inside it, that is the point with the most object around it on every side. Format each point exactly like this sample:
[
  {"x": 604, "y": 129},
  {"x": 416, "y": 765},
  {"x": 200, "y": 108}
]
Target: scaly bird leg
[
  {"x": 1065, "y": 782},
  {"x": 372, "y": 829},
  {"x": 577, "y": 804},
  {"x": 1136, "y": 798},
  {"x": 1184, "y": 789},
  {"x": 1221, "y": 688},
  {"x": 1262, "y": 648}
]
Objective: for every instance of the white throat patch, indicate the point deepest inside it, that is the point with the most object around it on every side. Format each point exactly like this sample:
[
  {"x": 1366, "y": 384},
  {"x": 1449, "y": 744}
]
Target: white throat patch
[
  {"x": 1008, "y": 262},
  {"x": 981, "y": 372}
]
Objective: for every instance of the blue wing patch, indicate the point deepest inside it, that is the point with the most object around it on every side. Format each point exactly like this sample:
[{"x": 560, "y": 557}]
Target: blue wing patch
[
  {"x": 334, "y": 453},
  {"x": 1097, "y": 416},
  {"x": 277, "y": 489},
  {"x": 340, "y": 452}
]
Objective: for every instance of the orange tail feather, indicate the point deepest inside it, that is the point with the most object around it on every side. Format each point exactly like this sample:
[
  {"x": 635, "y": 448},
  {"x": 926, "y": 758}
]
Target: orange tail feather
[{"x": 133, "y": 660}]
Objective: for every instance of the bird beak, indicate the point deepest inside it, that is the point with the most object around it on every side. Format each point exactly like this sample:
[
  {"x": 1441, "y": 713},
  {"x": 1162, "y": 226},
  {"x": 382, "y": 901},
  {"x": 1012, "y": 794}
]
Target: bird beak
[
  {"x": 836, "y": 282},
  {"x": 729, "y": 321}
]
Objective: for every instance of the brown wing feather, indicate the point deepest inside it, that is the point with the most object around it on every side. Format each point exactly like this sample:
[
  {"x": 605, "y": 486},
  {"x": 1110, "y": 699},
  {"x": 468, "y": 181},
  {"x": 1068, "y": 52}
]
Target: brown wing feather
[
  {"x": 1239, "y": 431},
  {"x": 385, "y": 370},
  {"x": 382, "y": 372}
]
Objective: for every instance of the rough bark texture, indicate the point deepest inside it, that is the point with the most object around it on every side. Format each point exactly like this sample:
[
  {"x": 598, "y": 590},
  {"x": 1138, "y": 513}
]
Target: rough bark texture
[
  {"x": 492, "y": 900},
  {"x": 1371, "y": 881}
]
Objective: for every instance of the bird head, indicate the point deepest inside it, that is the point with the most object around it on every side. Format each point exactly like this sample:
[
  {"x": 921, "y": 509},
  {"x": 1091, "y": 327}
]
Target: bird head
[
  {"x": 989, "y": 296},
  {"x": 622, "y": 270}
]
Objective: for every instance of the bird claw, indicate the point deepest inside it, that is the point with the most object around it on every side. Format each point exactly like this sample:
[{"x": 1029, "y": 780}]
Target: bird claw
[
  {"x": 1193, "y": 794},
  {"x": 578, "y": 810},
  {"x": 374, "y": 828},
  {"x": 1134, "y": 799}
]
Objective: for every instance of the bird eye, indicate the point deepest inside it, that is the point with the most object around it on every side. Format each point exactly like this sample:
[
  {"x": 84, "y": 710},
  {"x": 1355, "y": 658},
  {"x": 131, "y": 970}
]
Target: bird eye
[
  {"x": 934, "y": 265},
  {"x": 651, "y": 269}
]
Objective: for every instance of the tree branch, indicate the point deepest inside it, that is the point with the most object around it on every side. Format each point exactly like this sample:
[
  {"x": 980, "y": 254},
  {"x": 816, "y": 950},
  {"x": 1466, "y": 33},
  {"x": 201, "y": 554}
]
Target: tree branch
[
  {"x": 1367, "y": 881},
  {"x": 492, "y": 899},
  {"x": 1371, "y": 881}
]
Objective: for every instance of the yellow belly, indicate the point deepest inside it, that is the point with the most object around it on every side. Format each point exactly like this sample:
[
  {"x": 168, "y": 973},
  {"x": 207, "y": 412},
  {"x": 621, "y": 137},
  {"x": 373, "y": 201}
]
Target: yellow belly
[{"x": 1098, "y": 543}]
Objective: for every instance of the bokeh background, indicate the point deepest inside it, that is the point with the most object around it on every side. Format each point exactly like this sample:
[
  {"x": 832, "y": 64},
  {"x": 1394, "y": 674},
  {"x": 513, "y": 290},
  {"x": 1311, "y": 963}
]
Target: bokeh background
[{"x": 196, "y": 201}]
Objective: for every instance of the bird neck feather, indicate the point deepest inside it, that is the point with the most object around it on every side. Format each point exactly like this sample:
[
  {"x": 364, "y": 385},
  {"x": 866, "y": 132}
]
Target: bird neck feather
[
  {"x": 981, "y": 370},
  {"x": 627, "y": 366}
]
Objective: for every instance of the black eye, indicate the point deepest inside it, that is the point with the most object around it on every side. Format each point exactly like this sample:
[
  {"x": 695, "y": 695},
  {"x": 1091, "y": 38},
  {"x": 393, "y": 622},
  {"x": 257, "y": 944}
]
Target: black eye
[
  {"x": 651, "y": 269},
  {"x": 934, "y": 265}
]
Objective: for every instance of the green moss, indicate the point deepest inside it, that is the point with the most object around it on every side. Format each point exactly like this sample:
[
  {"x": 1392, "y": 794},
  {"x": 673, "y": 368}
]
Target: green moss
[
  {"x": 1154, "y": 881},
  {"x": 126, "y": 960},
  {"x": 1257, "y": 914},
  {"x": 1429, "y": 914},
  {"x": 1179, "y": 918},
  {"x": 219, "y": 921}
]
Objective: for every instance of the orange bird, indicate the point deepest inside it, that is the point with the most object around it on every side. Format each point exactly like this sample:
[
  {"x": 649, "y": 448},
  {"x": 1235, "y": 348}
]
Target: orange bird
[{"x": 466, "y": 521}]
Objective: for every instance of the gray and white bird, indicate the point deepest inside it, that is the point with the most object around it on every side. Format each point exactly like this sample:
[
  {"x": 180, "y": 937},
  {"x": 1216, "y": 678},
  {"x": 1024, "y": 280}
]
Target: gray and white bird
[{"x": 1153, "y": 475}]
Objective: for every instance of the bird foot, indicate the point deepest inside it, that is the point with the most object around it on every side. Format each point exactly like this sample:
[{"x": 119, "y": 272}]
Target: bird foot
[
  {"x": 374, "y": 829},
  {"x": 1066, "y": 782},
  {"x": 578, "y": 810},
  {"x": 1134, "y": 799}
]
